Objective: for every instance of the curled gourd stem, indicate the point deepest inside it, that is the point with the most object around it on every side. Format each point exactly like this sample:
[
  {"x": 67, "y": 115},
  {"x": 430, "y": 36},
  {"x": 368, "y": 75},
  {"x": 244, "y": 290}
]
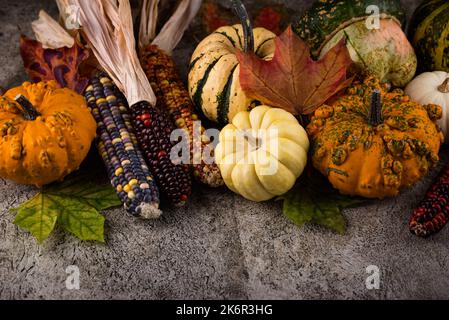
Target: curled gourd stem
[
  {"x": 242, "y": 13},
  {"x": 375, "y": 113},
  {"x": 444, "y": 87},
  {"x": 28, "y": 110}
]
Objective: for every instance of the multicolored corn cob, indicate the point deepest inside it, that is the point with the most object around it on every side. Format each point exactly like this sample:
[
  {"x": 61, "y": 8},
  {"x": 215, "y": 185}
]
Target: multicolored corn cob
[
  {"x": 153, "y": 129},
  {"x": 117, "y": 145},
  {"x": 432, "y": 213},
  {"x": 172, "y": 96}
]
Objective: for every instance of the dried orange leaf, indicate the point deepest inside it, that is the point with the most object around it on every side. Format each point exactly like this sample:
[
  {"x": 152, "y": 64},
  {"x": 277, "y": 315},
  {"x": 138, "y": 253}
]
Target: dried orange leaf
[
  {"x": 292, "y": 80},
  {"x": 54, "y": 64}
]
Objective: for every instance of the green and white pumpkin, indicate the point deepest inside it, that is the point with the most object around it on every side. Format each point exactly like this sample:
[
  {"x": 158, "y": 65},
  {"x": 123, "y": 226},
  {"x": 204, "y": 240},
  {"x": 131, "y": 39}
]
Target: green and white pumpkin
[
  {"x": 429, "y": 33},
  {"x": 214, "y": 83},
  {"x": 381, "y": 50}
]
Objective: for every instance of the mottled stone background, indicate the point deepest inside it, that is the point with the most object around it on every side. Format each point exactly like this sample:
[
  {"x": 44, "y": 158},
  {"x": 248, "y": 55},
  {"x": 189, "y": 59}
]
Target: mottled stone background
[{"x": 219, "y": 245}]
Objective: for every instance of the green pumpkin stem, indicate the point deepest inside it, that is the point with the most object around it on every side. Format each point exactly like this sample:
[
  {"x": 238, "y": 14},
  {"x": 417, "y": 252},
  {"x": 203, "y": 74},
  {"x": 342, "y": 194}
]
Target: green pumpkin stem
[
  {"x": 375, "y": 112},
  {"x": 444, "y": 87},
  {"x": 28, "y": 110},
  {"x": 242, "y": 13},
  {"x": 303, "y": 119}
]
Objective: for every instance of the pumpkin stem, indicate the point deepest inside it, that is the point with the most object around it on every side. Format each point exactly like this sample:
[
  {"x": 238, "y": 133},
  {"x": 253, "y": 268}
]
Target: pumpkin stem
[
  {"x": 248, "y": 35},
  {"x": 303, "y": 119},
  {"x": 375, "y": 112},
  {"x": 28, "y": 110},
  {"x": 444, "y": 87}
]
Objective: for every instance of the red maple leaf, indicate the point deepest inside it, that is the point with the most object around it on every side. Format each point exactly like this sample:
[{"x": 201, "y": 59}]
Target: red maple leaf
[{"x": 292, "y": 80}]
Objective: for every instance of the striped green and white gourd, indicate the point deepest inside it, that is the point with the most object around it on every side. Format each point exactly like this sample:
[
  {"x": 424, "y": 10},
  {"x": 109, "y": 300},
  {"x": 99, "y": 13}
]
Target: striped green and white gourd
[
  {"x": 214, "y": 84},
  {"x": 118, "y": 147},
  {"x": 429, "y": 34}
]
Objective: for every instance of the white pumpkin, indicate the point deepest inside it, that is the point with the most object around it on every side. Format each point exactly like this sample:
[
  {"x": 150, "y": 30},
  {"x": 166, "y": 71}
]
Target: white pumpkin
[
  {"x": 432, "y": 88},
  {"x": 262, "y": 153}
]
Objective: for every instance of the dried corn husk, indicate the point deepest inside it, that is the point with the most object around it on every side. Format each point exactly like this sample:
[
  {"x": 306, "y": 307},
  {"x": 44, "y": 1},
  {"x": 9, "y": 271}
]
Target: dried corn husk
[
  {"x": 50, "y": 33},
  {"x": 108, "y": 27},
  {"x": 173, "y": 30}
]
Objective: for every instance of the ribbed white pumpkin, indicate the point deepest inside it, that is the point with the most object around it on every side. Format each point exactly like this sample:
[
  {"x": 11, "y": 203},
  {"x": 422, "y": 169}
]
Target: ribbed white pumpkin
[
  {"x": 262, "y": 153},
  {"x": 432, "y": 88}
]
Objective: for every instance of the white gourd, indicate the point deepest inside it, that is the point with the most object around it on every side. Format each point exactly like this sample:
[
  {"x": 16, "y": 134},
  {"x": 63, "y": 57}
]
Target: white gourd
[
  {"x": 262, "y": 153},
  {"x": 432, "y": 88}
]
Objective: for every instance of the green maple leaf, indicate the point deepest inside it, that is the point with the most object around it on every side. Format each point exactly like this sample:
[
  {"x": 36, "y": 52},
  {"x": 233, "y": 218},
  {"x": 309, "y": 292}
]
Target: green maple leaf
[
  {"x": 313, "y": 200},
  {"x": 79, "y": 188},
  {"x": 73, "y": 204},
  {"x": 37, "y": 216}
]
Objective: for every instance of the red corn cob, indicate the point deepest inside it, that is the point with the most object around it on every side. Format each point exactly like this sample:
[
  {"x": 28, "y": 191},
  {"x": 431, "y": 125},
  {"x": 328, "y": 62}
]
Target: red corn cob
[
  {"x": 432, "y": 213},
  {"x": 173, "y": 97}
]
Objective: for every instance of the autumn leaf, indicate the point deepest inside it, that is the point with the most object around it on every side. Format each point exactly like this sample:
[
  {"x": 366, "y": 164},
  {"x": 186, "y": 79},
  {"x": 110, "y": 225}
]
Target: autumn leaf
[
  {"x": 271, "y": 18},
  {"x": 266, "y": 15},
  {"x": 215, "y": 17},
  {"x": 313, "y": 200},
  {"x": 292, "y": 80},
  {"x": 74, "y": 204},
  {"x": 54, "y": 64}
]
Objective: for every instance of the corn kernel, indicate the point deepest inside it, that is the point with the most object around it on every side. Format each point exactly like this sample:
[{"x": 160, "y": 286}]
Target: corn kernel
[
  {"x": 101, "y": 100},
  {"x": 131, "y": 195},
  {"x": 180, "y": 123},
  {"x": 127, "y": 188},
  {"x": 119, "y": 171},
  {"x": 144, "y": 186}
]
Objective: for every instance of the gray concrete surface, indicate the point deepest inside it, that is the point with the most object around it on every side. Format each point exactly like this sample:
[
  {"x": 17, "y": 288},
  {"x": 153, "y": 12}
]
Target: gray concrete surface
[{"x": 220, "y": 245}]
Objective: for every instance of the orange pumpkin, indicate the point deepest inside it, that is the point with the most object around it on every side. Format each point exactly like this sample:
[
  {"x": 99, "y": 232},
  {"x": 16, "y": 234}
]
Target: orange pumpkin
[
  {"x": 45, "y": 133},
  {"x": 372, "y": 141}
]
